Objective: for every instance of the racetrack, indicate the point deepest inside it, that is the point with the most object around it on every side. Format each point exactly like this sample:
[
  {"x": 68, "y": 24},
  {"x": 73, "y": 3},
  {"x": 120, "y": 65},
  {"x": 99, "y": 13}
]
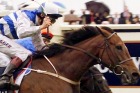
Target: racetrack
[{"x": 125, "y": 89}]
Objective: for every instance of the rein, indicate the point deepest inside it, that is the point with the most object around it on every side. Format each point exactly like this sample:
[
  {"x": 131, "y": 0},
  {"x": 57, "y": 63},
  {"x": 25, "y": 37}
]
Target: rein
[
  {"x": 82, "y": 50},
  {"x": 53, "y": 74}
]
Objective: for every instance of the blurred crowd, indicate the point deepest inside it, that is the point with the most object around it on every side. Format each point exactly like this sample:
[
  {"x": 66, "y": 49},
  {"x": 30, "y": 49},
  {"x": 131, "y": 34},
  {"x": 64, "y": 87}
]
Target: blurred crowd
[{"x": 125, "y": 17}]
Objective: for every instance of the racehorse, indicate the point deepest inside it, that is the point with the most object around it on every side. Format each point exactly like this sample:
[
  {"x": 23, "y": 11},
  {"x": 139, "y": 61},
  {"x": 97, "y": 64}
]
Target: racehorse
[{"x": 61, "y": 72}]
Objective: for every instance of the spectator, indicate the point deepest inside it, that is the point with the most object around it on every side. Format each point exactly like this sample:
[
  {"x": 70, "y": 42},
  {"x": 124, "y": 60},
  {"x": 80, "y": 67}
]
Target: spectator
[
  {"x": 104, "y": 17},
  {"x": 90, "y": 17},
  {"x": 126, "y": 17},
  {"x": 110, "y": 20},
  {"x": 126, "y": 12},
  {"x": 136, "y": 20},
  {"x": 83, "y": 18},
  {"x": 116, "y": 18},
  {"x": 71, "y": 18},
  {"x": 98, "y": 19}
]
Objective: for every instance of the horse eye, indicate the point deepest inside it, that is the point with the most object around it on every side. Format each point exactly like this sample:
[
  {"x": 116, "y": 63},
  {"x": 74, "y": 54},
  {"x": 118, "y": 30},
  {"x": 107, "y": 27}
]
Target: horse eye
[{"x": 119, "y": 47}]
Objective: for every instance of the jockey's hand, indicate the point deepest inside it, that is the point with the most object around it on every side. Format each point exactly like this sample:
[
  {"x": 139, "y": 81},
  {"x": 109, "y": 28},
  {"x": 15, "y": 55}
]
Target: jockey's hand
[
  {"x": 46, "y": 23},
  {"x": 43, "y": 50}
]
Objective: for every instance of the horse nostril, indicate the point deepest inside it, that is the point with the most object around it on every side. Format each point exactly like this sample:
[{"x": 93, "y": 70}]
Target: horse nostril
[{"x": 136, "y": 75}]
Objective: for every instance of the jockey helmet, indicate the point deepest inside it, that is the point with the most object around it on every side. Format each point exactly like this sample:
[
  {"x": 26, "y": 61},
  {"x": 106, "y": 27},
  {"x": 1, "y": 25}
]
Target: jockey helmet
[{"x": 49, "y": 9}]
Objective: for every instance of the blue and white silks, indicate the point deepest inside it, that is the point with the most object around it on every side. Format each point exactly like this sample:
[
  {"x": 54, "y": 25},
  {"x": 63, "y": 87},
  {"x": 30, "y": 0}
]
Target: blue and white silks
[{"x": 27, "y": 43}]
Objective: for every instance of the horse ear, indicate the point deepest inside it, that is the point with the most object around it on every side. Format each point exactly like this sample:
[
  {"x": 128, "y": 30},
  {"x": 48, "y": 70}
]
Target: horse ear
[{"x": 98, "y": 29}]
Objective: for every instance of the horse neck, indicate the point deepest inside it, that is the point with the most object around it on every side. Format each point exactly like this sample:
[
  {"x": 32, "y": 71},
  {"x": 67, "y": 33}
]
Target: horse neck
[{"x": 73, "y": 64}]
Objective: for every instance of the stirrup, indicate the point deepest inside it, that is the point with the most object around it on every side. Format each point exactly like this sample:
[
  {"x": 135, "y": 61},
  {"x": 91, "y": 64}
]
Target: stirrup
[{"x": 13, "y": 86}]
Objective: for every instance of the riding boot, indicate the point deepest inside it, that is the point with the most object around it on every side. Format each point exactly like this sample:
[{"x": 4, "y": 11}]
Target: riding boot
[{"x": 5, "y": 83}]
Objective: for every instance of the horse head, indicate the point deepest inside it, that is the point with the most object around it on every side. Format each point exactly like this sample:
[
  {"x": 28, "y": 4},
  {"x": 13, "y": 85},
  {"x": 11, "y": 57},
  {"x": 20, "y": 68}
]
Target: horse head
[{"x": 116, "y": 57}]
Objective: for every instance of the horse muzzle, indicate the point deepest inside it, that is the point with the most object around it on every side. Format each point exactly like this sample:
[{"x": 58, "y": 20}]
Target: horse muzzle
[{"x": 130, "y": 79}]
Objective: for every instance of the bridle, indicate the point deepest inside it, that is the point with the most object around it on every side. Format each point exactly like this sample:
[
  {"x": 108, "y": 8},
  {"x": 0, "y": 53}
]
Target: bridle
[
  {"x": 118, "y": 65},
  {"x": 99, "y": 61}
]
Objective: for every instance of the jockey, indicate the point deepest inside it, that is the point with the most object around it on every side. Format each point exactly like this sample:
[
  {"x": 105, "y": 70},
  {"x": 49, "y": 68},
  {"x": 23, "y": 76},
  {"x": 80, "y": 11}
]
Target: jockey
[{"x": 21, "y": 24}]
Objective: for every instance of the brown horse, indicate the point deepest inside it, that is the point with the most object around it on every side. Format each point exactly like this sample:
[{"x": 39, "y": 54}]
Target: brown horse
[{"x": 79, "y": 51}]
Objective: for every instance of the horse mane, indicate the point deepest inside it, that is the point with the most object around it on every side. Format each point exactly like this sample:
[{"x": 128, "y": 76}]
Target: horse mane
[{"x": 72, "y": 38}]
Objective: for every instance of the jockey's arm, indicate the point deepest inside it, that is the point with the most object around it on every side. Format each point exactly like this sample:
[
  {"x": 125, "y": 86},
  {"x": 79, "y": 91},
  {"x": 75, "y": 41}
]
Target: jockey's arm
[{"x": 25, "y": 28}]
